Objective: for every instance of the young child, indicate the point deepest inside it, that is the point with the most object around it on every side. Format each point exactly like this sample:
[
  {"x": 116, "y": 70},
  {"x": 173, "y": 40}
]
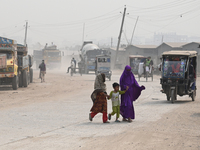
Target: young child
[{"x": 114, "y": 96}]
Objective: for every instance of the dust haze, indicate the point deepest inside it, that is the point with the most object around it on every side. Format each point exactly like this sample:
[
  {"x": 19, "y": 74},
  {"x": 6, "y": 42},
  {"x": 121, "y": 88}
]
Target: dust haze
[{"x": 103, "y": 37}]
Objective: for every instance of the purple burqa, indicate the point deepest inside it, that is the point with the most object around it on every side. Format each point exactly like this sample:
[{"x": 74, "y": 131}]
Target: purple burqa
[{"x": 134, "y": 91}]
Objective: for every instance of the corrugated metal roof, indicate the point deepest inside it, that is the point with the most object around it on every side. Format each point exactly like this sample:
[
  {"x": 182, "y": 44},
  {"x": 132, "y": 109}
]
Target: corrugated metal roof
[
  {"x": 120, "y": 49},
  {"x": 146, "y": 46},
  {"x": 176, "y": 44},
  {"x": 187, "y": 53},
  {"x": 136, "y": 56}
]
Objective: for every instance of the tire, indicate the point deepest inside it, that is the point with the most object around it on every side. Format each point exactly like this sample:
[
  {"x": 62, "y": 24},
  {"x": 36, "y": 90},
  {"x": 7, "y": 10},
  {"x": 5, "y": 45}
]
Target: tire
[
  {"x": 146, "y": 77},
  {"x": 25, "y": 78},
  {"x": 21, "y": 80},
  {"x": 110, "y": 78},
  {"x": 172, "y": 96},
  {"x": 15, "y": 83},
  {"x": 31, "y": 75},
  {"x": 28, "y": 75},
  {"x": 168, "y": 97},
  {"x": 71, "y": 73},
  {"x": 193, "y": 95}
]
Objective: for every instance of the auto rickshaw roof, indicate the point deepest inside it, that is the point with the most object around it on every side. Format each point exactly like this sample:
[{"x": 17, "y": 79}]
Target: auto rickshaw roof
[
  {"x": 185, "y": 53},
  {"x": 137, "y": 56},
  {"x": 103, "y": 56}
]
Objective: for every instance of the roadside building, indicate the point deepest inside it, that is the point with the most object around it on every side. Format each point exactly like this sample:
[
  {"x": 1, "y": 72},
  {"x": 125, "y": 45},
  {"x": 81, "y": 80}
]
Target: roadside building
[{"x": 150, "y": 50}]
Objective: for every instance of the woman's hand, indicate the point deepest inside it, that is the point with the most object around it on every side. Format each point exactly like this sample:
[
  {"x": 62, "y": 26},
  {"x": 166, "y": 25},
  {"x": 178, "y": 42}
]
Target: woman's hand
[
  {"x": 127, "y": 88},
  {"x": 143, "y": 87}
]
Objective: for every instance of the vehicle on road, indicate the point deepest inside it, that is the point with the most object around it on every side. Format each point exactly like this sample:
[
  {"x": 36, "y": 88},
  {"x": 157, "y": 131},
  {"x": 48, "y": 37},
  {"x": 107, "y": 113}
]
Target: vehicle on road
[
  {"x": 145, "y": 71},
  {"x": 51, "y": 56},
  {"x": 15, "y": 64},
  {"x": 88, "y": 54},
  {"x": 103, "y": 65},
  {"x": 134, "y": 61},
  {"x": 179, "y": 74}
]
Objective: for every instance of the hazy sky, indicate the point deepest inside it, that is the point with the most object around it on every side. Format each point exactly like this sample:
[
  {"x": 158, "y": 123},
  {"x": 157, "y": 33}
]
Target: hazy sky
[{"x": 61, "y": 21}]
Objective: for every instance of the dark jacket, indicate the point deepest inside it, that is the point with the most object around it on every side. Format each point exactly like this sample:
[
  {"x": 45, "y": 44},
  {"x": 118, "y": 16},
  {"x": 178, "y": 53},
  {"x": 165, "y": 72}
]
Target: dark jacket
[{"x": 42, "y": 67}]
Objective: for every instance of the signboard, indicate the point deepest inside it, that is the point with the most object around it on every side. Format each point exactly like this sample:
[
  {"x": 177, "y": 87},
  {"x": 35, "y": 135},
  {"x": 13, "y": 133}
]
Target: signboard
[{"x": 6, "y": 41}]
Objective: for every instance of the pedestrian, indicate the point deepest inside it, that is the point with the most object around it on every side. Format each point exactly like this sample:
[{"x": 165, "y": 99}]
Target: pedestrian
[
  {"x": 132, "y": 94},
  {"x": 72, "y": 66},
  {"x": 99, "y": 97},
  {"x": 114, "y": 96},
  {"x": 42, "y": 67}
]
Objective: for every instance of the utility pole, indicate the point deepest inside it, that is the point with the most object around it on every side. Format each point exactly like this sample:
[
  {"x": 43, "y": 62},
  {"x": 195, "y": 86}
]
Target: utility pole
[
  {"x": 111, "y": 42},
  {"x": 134, "y": 30},
  {"x": 26, "y": 26},
  {"x": 120, "y": 34},
  {"x": 83, "y": 32}
]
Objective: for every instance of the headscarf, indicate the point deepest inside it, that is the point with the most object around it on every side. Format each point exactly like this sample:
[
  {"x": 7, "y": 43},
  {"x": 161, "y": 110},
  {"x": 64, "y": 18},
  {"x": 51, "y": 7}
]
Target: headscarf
[
  {"x": 99, "y": 86},
  {"x": 100, "y": 82}
]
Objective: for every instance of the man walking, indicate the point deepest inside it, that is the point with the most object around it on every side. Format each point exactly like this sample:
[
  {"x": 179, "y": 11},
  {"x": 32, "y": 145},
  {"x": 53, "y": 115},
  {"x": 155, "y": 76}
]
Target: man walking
[{"x": 42, "y": 67}]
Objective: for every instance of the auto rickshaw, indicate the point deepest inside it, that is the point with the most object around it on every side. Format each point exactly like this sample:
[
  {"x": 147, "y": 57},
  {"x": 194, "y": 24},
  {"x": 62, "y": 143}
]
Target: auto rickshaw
[
  {"x": 146, "y": 71},
  {"x": 179, "y": 74},
  {"x": 103, "y": 65},
  {"x": 134, "y": 61}
]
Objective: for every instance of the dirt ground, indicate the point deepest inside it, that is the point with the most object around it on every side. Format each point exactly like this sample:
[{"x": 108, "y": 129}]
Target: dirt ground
[{"x": 54, "y": 116}]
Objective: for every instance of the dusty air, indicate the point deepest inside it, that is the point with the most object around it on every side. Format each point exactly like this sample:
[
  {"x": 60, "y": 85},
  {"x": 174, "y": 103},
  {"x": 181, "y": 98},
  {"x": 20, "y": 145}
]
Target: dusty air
[{"x": 95, "y": 75}]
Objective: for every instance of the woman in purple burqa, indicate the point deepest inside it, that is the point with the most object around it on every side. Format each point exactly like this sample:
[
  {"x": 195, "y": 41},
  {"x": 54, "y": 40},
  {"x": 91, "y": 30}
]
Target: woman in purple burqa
[{"x": 134, "y": 91}]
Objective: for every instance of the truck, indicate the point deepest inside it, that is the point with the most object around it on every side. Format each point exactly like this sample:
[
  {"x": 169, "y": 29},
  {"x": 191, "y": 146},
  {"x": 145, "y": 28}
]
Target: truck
[
  {"x": 14, "y": 64},
  {"x": 25, "y": 63},
  {"x": 88, "y": 54},
  {"x": 51, "y": 56}
]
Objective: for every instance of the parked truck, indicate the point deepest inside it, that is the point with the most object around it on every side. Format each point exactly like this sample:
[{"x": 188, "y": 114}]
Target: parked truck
[
  {"x": 14, "y": 64},
  {"x": 51, "y": 56},
  {"x": 88, "y": 54},
  {"x": 25, "y": 63}
]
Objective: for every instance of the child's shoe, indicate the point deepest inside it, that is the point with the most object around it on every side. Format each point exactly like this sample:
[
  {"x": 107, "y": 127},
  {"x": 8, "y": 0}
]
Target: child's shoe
[
  {"x": 109, "y": 116},
  {"x": 117, "y": 120}
]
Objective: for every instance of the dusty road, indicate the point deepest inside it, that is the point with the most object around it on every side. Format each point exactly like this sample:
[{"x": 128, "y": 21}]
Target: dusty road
[{"x": 54, "y": 116}]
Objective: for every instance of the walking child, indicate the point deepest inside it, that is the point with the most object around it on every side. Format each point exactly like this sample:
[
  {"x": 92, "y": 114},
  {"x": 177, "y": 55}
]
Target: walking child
[{"x": 114, "y": 96}]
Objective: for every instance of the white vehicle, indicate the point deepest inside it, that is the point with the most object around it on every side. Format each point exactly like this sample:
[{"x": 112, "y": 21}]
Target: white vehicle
[
  {"x": 103, "y": 65},
  {"x": 149, "y": 71}
]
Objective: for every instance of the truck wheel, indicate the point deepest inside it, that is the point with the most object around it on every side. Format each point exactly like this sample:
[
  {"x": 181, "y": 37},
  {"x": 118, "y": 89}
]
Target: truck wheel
[
  {"x": 15, "y": 82},
  {"x": 31, "y": 75},
  {"x": 138, "y": 77},
  {"x": 193, "y": 95},
  {"x": 21, "y": 80},
  {"x": 28, "y": 75},
  {"x": 25, "y": 78}
]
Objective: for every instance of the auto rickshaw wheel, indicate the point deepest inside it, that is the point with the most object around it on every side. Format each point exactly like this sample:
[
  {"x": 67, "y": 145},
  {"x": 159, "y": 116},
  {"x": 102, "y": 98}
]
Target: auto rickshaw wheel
[
  {"x": 110, "y": 78},
  {"x": 172, "y": 96},
  {"x": 168, "y": 97},
  {"x": 193, "y": 95},
  {"x": 146, "y": 76}
]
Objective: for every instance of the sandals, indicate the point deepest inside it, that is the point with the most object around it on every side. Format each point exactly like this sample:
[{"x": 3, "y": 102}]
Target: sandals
[
  {"x": 90, "y": 117},
  {"x": 124, "y": 119},
  {"x": 129, "y": 120},
  {"x": 117, "y": 121},
  {"x": 107, "y": 122},
  {"x": 109, "y": 116}
]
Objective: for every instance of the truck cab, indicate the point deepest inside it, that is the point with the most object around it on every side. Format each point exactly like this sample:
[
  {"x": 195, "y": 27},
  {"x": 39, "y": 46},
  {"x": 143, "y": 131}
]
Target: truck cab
[{"x": 8, "y": 63}]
